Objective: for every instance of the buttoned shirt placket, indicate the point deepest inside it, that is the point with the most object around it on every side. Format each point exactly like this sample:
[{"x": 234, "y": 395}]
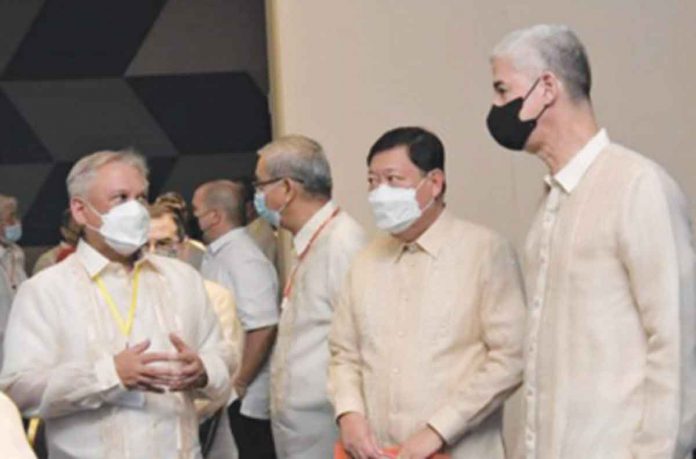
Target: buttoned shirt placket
[{"x": 538, "y": 302}]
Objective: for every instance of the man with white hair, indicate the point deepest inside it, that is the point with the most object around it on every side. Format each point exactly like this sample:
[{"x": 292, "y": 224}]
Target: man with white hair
[
  {"x": 609, "y": 266},
  {"x": 12, "y": 271},
  {"x": 293, "y": 191},
  {"x": 112, "y": 346}
]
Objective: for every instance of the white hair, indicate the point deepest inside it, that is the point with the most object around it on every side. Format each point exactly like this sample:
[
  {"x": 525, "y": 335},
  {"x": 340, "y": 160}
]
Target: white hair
[
  {"x": 555, "y": 48},
  {"x": 83, "y": 172},
  {"x": 8, "y": 204},
  {"x": 302, "y": 159}
]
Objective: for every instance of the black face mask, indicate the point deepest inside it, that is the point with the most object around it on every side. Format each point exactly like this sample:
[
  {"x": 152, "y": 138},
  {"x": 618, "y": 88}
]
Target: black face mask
[{"x": 505, "y": 125}]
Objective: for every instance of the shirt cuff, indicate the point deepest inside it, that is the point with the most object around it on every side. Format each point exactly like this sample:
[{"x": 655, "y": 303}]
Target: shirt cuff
[
  {"x": 345, "y": 405},
  {"x": 218, "y": 385},
  {"x": 107, "y": 376},
  {"x": 112, "y": 389},
  {"x": 448, "y": 424},
  {"x": 259, "y": 322}
]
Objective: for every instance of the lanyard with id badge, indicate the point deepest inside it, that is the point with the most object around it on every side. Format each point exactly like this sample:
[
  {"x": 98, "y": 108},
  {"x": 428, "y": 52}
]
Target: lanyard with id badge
[{"x": 300, "y": 258}]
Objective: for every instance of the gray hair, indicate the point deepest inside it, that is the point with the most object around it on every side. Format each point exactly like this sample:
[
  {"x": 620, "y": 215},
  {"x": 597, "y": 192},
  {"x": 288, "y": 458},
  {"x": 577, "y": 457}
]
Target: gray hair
[
  {"x": 302, "y": 159},
  {"x": 227, "y": 196},
  {"x": 7, "y": 204},
  {"x": 83, "y": 172},
  {"x": 555, "y": 48}
]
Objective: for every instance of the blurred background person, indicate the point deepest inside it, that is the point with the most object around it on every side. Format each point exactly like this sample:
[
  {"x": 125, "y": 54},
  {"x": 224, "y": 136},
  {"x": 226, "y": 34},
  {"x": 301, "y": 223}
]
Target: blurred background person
[
  {"x": 70, "y": 235},
  {"x": 168, "y": 238},
  {"x": 234, "y": 260},
  {"x": 190, "y": 250},
  {"x": 11, "y": 260}
]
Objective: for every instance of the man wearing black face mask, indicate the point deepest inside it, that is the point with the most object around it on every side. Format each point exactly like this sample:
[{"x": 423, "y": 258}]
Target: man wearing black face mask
[{"x": 609, "y": 267}]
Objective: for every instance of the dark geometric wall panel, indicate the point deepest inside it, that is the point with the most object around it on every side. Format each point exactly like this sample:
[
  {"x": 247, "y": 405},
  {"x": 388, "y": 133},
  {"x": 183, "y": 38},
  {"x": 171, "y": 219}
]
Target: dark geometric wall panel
[
  {"x": 207, "y": 23},
  {"x": 47, "y": 207},
  {"x": 83, "y": 38},
  {"x": 191, "y": 171},
  {"x": 160, "y": 171},
  {"x": 182, "y": 81},
  {"x": 18, "y": 143},
  {"x": 76, "y": 117},
  {"x": 212, "y": 113},
  {"x": 16, "y": 16},
  {"x": 23, "y": 181}
]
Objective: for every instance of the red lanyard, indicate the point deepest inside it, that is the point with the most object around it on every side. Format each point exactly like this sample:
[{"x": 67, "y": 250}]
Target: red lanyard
[{"x": 288, "y": 285}]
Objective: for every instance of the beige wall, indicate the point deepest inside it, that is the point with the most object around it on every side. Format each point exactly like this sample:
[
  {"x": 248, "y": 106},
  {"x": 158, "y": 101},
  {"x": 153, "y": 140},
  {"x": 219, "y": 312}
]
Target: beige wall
[{"x": 344, "y": 71}]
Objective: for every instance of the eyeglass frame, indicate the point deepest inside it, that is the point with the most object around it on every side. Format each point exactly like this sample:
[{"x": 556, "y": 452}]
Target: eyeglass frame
[{"x": 257, "y": 184}]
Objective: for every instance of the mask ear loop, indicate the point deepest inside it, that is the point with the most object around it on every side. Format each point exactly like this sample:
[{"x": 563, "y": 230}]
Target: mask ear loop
[
  {"x": 529, "y": 93},
  {"x": 96, "y": 212},
  {"x": 432, "y": 200}
]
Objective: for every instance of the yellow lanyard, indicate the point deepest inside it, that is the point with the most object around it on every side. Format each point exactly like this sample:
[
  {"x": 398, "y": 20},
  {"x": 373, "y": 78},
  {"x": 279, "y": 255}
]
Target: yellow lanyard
[{"x": 124, "y": 325}]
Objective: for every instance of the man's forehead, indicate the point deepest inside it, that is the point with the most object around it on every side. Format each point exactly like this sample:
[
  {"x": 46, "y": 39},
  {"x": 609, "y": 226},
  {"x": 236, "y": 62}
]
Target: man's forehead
[
  {"x": 261, "y": 167},
  {"x": 162, "y": 228},
  {"x": 114, "y": 177},
  {"x": 502, "y": 68},
  {"x": 396, "y": 157},
  {"x": 506, "y": 73}
]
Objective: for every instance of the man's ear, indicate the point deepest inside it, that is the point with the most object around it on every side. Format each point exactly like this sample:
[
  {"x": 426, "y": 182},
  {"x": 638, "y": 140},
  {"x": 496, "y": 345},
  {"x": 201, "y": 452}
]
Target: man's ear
[
  {"x": 79, "y": 210},
  {"x": 291, "y": 188},
  {"x": 551, "y": 87},
  {"x": 437, "y": 178}
]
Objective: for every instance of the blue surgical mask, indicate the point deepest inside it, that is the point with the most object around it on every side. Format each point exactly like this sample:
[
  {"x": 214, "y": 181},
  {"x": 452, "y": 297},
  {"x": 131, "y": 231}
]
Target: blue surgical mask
[
  {"x": 270, "y": 215},
  {"x": 13, "y": 233}
]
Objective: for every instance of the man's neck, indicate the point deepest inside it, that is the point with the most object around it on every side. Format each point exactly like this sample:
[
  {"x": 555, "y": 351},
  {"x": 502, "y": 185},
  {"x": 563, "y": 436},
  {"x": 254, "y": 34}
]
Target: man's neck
[
  {"x": 565, "y": 139},
  {"x": 296, "y": 217},
  {"x": 220, "y": 230},
  {"x": 423, "y": 223}
]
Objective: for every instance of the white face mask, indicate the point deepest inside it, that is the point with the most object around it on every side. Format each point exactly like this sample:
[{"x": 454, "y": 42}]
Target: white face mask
[
  {"x": 395, "y": 209},
  {"x": 125, "y": 227}
]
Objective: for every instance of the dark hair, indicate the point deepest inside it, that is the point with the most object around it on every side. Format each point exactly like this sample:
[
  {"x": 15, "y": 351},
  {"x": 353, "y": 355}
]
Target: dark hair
[
  {"x": 161, "y": 209},
  {"x": 174, "y": 203},
  {"x": 424, "y": 148}
]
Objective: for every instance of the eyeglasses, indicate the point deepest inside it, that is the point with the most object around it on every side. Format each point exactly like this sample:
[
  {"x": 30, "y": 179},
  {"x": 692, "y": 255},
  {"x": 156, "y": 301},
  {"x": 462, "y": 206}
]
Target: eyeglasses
[{"x": 262, "y": 183}]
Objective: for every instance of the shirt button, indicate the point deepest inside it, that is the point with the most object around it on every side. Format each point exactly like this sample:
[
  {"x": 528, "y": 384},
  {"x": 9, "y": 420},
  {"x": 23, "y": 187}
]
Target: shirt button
[
  {"x": 395, "y": 371},
  {"x": 400, "y": 334}
]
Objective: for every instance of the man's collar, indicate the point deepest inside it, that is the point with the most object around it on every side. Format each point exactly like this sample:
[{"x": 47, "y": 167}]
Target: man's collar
[
  {"x": 571, "y": 174},
  {"x": 304, "y": 236},
  {"x": 94, "y": 262},
  {"x": 431, "y": 241},
  {"x": 223, "y": 240}
]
